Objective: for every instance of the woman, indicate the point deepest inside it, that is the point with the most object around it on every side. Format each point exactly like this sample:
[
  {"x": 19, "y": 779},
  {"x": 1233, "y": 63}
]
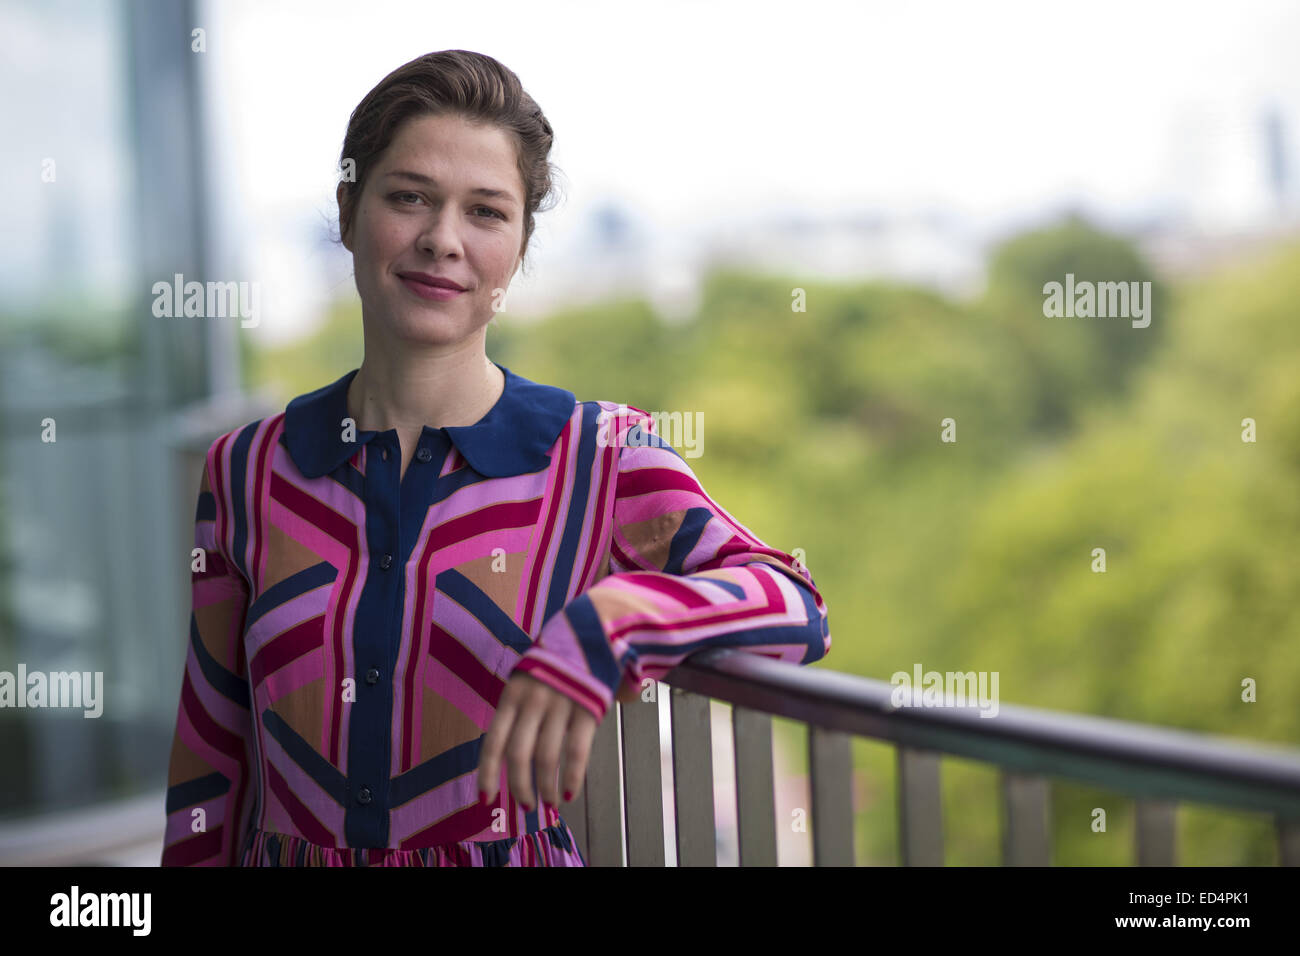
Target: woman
[{"x": 428, "y": 580}]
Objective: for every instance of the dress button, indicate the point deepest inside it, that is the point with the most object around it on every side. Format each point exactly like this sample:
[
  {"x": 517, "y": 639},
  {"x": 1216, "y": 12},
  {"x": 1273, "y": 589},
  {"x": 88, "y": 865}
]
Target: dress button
[
  {"x": 363, "y": 795},
  {"x": 384, "y": 452},
  {"x": 386, "y": 562},
  {"x": 372, "y": 676},
  {"x": 424, "y": 454}
]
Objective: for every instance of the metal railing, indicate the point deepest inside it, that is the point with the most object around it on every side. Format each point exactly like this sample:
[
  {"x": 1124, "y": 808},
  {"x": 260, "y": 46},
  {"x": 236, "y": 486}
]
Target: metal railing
[{"x": 1159, "y": 767}]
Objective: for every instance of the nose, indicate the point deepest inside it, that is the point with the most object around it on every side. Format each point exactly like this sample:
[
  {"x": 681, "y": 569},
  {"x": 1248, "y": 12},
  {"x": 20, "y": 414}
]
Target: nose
[{"x": 441, "y": 235}]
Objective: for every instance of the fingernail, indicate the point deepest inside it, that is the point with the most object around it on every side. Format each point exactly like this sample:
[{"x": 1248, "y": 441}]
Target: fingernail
[
  {"x": 568, "y": 796},
  {"x": 528, "y": 808},
  {"x": 482, "y": 797}
]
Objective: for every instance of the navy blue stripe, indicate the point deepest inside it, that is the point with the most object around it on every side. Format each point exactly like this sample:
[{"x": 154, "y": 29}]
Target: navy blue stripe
[
  {"x": 465, "y": 593},
  {"x": 448, "y": 485},
  {"x": 222, "y": 680},
  {"x": 582, "y": 617},
  {"x": 235, "y": 488},
  {"x": 730, "y": 587},
  {"x": 291, "y": 587},
  {"x": 497, "y": 852},
  {"x": 435, "y": 771},
  {"x": 207, "y": 508},
  {"x": 562, "y": 569},
  {"x": 349, "y": 478},
  {"x": 638, "y": 437},
  {"x": 558, "y": 837},
  {"x": 305, "y": 756},
  {"x": 686, "y": 538},
  {"x": 196, "y": 791}
]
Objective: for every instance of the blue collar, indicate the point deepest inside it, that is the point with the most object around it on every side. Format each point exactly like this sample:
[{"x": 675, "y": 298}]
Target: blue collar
[{"x": 512, "y": 439}]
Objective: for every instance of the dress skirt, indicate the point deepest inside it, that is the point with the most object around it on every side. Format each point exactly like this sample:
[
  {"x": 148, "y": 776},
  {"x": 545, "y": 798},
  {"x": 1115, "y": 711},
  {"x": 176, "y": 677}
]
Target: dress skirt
[{"x": 551, "y": 846}]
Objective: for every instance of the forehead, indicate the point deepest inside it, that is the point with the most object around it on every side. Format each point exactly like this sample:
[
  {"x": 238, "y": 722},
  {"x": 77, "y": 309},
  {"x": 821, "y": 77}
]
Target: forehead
[{"x": 454, "y": 151}]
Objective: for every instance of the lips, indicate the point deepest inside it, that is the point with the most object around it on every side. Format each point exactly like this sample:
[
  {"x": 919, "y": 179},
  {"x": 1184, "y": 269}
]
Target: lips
[
  {"x": 430, "y": 292},
  {"x": 437, "y": 282}
]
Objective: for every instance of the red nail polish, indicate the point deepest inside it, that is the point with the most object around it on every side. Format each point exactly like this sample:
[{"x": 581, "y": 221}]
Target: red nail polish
[
  {"x": 568, "y": 796},
  {"x": 482, "y": 797}
]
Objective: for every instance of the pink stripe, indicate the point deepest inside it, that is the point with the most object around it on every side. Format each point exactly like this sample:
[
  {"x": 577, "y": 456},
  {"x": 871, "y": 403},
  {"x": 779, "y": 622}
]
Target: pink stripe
[
  {"x": 456, "y": 692},
  {"x": 453, "y": 796},
  {"x": 313, "y": 603}
]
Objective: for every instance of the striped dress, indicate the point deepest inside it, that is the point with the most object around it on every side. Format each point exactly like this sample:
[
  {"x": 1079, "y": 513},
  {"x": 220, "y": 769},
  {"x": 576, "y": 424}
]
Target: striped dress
[{"x": 352, "y": 632}]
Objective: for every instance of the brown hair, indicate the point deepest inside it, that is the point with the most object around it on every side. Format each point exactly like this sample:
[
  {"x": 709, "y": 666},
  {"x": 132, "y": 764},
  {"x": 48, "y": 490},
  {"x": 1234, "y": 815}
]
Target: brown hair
[{"x": 472, "y": 85}]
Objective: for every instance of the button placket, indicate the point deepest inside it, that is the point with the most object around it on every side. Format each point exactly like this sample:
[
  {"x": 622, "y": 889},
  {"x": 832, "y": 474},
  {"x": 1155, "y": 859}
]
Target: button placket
[{"x": 369, "y": 749}]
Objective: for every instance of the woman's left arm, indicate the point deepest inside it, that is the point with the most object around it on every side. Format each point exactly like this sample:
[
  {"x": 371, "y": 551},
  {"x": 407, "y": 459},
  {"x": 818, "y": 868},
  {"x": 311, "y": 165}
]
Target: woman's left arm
[{"x": 686, "y": 576}]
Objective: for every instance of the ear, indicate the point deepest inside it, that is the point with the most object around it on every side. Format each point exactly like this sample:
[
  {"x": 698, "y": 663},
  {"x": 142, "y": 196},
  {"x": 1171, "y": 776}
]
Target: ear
[{"x": 338, "y": 196}]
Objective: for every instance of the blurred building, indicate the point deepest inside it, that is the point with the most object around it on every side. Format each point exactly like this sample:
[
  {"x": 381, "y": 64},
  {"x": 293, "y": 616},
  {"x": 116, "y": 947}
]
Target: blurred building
[{"x": 103, "y": 405}]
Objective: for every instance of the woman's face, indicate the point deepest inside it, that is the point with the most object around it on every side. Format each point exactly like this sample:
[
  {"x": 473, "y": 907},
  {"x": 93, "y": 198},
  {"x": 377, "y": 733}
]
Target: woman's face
[{"x": 423, "y": 210}]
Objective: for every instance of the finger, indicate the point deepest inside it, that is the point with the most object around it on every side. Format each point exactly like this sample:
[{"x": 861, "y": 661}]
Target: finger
[
  {"x": 577, "y": 749},
  {"x": 494, "y": 743},
  {"x": 628, "y": 694},
  {"x": 549, "y": 743},
  {"x": 523, "y": 738}
]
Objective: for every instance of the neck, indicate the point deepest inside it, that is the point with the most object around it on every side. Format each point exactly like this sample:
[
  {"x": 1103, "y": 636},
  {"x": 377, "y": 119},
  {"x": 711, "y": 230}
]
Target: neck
[{"x": 409, "y": 390}]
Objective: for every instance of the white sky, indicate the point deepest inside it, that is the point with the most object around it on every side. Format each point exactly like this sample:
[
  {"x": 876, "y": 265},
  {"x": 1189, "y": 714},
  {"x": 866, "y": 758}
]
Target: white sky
[{"x": 692, "y": 109}]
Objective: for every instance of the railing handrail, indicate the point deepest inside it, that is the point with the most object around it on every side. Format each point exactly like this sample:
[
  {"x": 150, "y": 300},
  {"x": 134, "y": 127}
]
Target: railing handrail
[{"x": 1133, "y": 758}]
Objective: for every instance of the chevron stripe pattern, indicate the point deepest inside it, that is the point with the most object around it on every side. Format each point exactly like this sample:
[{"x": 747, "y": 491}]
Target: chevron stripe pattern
[{"x": 353, "y": 628}]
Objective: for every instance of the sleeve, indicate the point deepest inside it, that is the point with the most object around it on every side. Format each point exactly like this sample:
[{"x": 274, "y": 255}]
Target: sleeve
[
  {"x": 212, "y": 757},
  {"x": 685, "y": 576}
]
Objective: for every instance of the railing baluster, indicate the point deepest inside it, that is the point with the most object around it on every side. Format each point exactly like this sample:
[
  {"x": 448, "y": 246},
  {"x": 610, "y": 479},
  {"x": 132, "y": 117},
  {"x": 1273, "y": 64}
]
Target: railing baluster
[
  {"x": 1155, "y": 832},
  {"x": 755, "y": 786},
  {"x": 643, "y": 783},
  {"x": 605, "y": 796},
  {"x": 920, "y": 812},
  {"x": 575, "y": 815},
  {"x": 692, "y": 728},
  {"x": 1288, "y": 841},
  {"x": 1025, "y": 840},
  {"x": 830, "y": 764}
]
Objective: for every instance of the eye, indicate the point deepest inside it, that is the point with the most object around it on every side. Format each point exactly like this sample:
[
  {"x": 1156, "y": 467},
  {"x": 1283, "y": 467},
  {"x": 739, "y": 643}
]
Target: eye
[
  {"x": 492, "y": 211},
  {"x": 399, "y": 195}
]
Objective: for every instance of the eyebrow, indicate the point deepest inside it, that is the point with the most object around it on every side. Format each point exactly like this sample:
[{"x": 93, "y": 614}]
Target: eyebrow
[{"x": 430, "y": 181}]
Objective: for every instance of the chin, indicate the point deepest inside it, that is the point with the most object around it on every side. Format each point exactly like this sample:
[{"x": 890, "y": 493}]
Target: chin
[{"x": 433, "y": 328}]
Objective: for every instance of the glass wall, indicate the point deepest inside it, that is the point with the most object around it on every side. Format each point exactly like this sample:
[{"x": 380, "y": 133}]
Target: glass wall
[{"x": 103, "y": 197}]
